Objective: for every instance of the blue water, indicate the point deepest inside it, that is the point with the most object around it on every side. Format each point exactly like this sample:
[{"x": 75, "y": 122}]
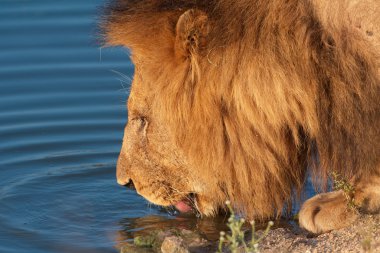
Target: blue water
[{"x": 62, "y": 114}]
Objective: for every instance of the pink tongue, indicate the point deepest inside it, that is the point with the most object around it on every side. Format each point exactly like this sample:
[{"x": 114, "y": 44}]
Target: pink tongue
[{"x": 183, "y": 207}]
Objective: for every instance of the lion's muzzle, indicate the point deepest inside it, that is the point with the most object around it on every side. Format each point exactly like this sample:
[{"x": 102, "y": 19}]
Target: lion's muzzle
[{"x": 121, "y": 175}]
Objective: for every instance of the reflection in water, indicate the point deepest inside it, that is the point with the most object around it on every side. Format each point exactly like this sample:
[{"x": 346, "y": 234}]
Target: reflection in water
[{"x": 207, "y": 227}]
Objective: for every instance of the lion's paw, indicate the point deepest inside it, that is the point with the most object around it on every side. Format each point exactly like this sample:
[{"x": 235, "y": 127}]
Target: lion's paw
[{"x": 326, "y": 212}]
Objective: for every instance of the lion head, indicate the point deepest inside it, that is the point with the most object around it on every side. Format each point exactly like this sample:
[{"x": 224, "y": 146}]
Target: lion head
[
  {"x": 234, "y": 100},
  {"x": 153, "y": 155}
]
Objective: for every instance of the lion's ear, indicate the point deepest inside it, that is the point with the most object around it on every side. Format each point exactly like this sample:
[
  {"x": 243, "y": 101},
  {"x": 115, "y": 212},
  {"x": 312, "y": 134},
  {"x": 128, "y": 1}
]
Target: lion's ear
[{"x": 191, "y": 32}]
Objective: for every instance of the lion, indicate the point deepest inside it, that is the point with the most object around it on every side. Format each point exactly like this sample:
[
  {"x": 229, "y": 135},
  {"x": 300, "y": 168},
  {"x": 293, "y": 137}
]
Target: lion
[{"x": 243, "y": 100}]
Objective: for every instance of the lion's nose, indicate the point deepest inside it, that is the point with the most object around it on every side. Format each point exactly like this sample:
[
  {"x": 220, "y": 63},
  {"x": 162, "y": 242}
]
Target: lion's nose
[
  {"x": 121, "y": 171},
  {"x": 127, "y": 183},
  {"x": 123, "y": 180}
]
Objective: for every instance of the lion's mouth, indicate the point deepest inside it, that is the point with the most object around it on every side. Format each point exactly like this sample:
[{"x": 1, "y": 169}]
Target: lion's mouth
[
  {"x": 183, "y": 207},
  {"x": 187, "y": 204}
]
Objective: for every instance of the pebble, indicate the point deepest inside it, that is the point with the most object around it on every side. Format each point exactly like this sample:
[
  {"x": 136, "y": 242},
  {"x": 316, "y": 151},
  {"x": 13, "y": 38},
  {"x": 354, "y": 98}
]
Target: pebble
[{"x": 174, "y": 244}]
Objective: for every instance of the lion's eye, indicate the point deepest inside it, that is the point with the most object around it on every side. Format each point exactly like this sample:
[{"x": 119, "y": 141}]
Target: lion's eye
[
  {"x": 140, "y": 122},
  {"x": 143, "y": 122}
]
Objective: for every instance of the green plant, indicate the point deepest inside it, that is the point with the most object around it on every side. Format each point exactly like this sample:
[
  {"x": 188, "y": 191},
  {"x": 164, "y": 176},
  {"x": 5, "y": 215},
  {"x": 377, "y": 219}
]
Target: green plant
[
  {"x": 235, "y": 239},
  {"x": 367, "y": 243},
  {"x": 340, "y": 183}
]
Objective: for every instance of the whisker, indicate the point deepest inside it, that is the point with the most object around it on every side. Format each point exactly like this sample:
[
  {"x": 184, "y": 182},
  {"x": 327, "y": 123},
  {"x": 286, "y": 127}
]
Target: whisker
[{"x": 124, "y": 76}]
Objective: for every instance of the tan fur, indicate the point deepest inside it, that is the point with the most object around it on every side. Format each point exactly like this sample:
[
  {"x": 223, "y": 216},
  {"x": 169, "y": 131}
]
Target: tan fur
[{"x": 237, "y": 99}]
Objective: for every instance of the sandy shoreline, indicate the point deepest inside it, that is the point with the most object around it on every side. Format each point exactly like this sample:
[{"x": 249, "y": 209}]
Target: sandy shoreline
[{"x": 362, "y": 236}]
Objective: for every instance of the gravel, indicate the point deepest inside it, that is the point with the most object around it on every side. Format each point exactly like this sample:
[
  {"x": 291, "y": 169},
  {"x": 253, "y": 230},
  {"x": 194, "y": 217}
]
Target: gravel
[{"x": 362, "y": 236}]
